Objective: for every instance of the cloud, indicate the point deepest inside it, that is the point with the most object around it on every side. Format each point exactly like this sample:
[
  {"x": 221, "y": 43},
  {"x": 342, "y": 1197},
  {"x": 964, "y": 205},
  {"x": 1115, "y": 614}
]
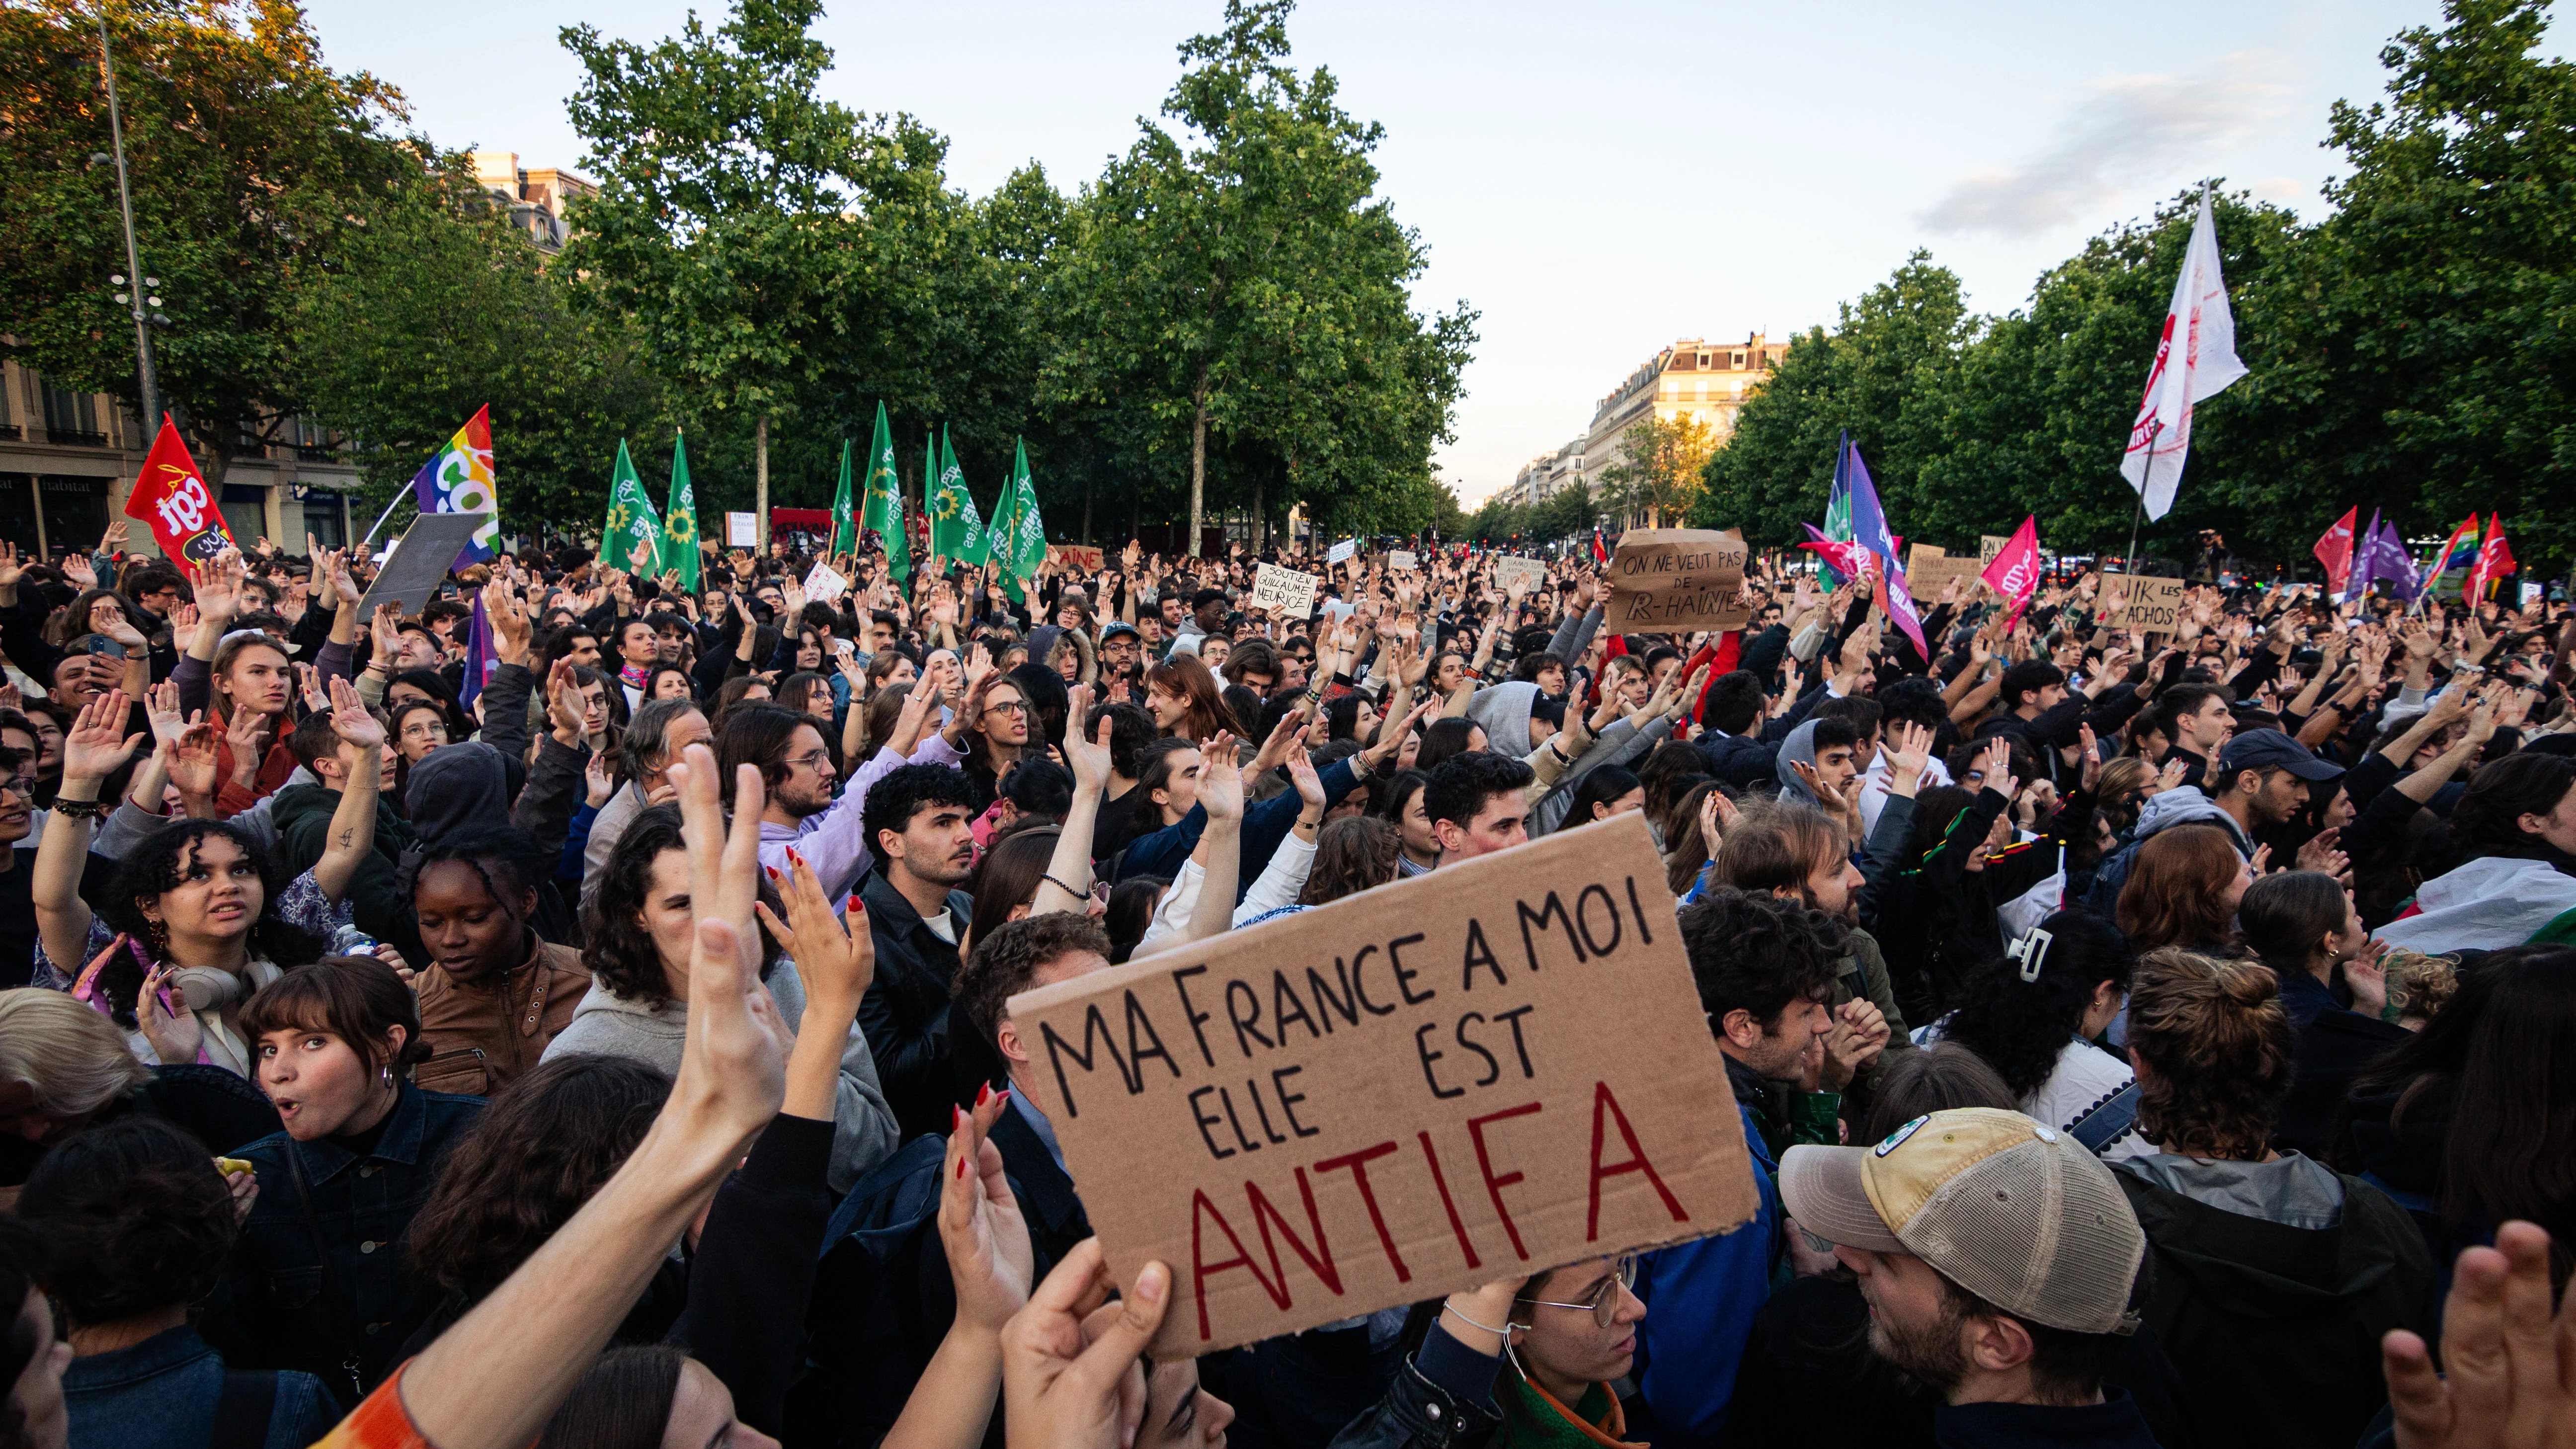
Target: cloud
[{"x": 2127, "y": 130}]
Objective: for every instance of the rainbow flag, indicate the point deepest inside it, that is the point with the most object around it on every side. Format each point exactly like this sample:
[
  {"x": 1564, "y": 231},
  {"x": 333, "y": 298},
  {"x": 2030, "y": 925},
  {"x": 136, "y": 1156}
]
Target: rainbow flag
[
  {"x": 458, "y": 479},
  {"x": 2458, "y": 551}
]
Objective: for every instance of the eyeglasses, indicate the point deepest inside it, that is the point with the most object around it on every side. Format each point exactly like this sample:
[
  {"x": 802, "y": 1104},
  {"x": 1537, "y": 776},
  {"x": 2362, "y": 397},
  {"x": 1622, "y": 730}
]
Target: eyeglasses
[
  {"x": 1008, "y": 706},
  {"x": 1605, "y": 1301},
  {"x": 813, "y": 760},
  {"x": 23, "y": 786}
]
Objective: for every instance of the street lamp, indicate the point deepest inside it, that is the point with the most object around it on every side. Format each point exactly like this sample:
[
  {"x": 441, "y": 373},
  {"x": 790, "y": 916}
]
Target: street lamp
[{"x": 148, "y": 391}]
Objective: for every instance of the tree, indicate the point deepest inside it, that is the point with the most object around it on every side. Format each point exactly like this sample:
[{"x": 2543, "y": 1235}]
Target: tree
[
  {"x": 252, "y": 165},
  {"x": 564, "y": 383},
  {"x": 760, "y": 236},
  {"x": 1244, "y": 282},
  {"x": 1661, "y": 467}
]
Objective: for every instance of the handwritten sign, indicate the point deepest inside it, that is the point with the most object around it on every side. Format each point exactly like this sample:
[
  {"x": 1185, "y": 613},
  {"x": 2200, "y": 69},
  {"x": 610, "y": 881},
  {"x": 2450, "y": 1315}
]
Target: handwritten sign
[
  {"x": 1402, "y": 558},
  {"x": 824, "y": 584},
  {"x": 1989, "y": 545},
  {"x": 742, "y": 530},
  {"x": 1285, "y": 592},
  {"x": 1074, "y": 557},
  {"x": 2154, "y": 605},
  {"x": 1527, "y": 575},
  {"x": 1342, "y": 552},
  {"x": 1496, "y": 1069},
  {"x": 1928, "y": 569},
  {"x": 1666, "y": 579}
]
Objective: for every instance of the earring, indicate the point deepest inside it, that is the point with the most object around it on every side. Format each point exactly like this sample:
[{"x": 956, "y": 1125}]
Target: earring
[{"x": 387, "y": 1073}]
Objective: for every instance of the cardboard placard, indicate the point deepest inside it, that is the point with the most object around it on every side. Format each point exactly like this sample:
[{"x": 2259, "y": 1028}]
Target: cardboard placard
[
  {"x": 1285, "y": 592},
  {"x": 1928, "y": 569},
  {"x": 1989, "y": 545},
  {"x": 824, "y": 584},
  {"x": 2153, "y": 605},
  {"x": 1078, "y": 558},
  {"x": 1402, "y": 558},
  {"x": 419, "y": 561},
  {"x": 1668, "y": 579},
  {"x": 742, "y": 530},
  {"x": 1528, "y": 574},
  {"x": 1496, "y": 1069}
]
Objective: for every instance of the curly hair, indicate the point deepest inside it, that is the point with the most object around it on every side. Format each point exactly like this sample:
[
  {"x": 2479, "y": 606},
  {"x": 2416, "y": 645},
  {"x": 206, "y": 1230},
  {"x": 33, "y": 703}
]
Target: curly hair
[
  {"x": 2020, "y": 1027},
  {"x": 158, "y": 866},
  {"x": 2176, "y": 891},
  {"x": 2219, "y": 1042},
  {"x": 904, "y": 791},
  {"x": 529, "y": 1162},
  {"x": 1759, "y": 953},
  {"x": 138, "y": 1216},
  {"x": 1352, "y": 854}
]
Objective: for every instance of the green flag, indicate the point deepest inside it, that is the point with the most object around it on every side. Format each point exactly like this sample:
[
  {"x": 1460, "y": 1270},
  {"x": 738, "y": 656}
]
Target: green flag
[
  {"x": 631, "y": 536},
  {"x": 956, "y": 529},
  {"x": 898, "y": 536},
  {"x": 680, "y": 524},
  {"x": 1019, "y": 536},
  {"x": 845, "y": 525},
  {"x": 879, "y": 496}
]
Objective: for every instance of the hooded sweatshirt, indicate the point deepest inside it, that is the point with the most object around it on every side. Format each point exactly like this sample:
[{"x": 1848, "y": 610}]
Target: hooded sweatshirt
[
  {"x": 2180, "y": 806},
  {"x": 1503, "y": 713},
  {"x": 1798, "y": 749},
  {"x": 863, "y": 1126},
  {"x": 458, "y": 787}
]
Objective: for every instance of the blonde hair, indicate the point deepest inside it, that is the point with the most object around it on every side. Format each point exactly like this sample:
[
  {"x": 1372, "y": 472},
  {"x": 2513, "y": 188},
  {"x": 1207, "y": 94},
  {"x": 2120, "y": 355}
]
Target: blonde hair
[{"x": 74, "y": 1058}]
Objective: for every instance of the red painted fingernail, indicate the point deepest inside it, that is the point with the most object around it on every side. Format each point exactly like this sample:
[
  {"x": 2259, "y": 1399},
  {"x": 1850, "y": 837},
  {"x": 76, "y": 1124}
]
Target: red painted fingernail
[
  {"x": 961, "y": 1167},
  {"x": 1003, "y": 1095},
  {"x": 956, "y": 1117},
  {"x": 856, "y": 904},
  {"x": 772, "y": 871},
  {"x": 983, "y": 1094}
]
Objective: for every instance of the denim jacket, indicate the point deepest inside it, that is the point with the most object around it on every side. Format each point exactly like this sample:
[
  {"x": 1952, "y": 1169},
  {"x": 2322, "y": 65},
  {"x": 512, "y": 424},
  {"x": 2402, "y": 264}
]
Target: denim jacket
[
  {"x": 161, "y": 1394},
  {"x": 332, "y": 1292}
]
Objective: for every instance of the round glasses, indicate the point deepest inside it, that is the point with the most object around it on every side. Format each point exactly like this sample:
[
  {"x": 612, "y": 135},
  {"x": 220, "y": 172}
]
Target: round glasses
[{"x": 1604, "y": 1305}]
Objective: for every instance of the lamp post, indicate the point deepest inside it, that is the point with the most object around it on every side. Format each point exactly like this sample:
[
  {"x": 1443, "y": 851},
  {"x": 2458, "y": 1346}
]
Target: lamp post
[{"x": 148, "y": 391}]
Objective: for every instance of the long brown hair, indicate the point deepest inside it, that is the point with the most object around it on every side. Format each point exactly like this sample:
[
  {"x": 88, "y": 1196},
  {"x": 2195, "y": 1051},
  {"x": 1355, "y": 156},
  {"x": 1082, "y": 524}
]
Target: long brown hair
[
  {"x": 2176, "y": 892},
  {"x": 1352, "y": 854},
  {"x": 1187, "y": 678},
  {"x": 2220, "y": 1044}
]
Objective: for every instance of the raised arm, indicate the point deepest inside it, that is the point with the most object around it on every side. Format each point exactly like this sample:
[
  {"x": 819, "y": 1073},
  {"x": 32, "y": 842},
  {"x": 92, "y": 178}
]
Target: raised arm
[
  {"x": 1066, "y": 885},
  {"x": 94, "y": 748},
  {"x": 353, "y": 824}
]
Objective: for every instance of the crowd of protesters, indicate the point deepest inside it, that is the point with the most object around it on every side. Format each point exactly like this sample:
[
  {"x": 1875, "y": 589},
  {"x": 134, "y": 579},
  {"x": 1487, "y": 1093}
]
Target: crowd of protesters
[{"x": 573, "y": 1010}]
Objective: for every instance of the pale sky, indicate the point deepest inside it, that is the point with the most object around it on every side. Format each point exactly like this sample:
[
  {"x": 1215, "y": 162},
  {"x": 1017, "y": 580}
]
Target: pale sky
[{"x": 1597, "y": 181}]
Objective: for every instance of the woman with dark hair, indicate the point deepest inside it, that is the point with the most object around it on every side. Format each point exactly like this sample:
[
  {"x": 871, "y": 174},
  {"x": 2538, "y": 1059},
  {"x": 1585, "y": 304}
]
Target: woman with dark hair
[
  {"x": 638, "y": 929},
  {"x": 2304, "y": 925},
  {"x": 662, "y": 681},
  {"x": 1603, "y": 793},
  {"x": 2472, "y": 1121},
  {"x": 140, "y": 1223},
  {"x": 494, "y": 990},
  {"x": 197, "y": 918},
  {"x": 741, "y": 689},
  {"x": 1351, "y": 856},
  {"x": 1131, "y": 913},
  {"x": 1184, "y": 699},
  {"x": 415, "y": 727},
  {"x": 318, "y": 1281},
  {"x": 2034, "y": 1012},
  {"x": 1400, "y": 805},
  {"x": 2522, "y": 806},
  {"x": 1446, "y": 739},
  {"x": 2183, "y": 889},
  {"x": 536, "y": 1154},
  {"x": 1005, "y": 881},
  {"x": 2288, "y": 1273},
  {"x": 429, "y": 684}
]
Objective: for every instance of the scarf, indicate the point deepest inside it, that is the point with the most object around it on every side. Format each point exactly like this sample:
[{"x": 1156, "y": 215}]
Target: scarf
[
  {"x": 634, "y": 675},
  {"x": 1533, "y": 1419}
]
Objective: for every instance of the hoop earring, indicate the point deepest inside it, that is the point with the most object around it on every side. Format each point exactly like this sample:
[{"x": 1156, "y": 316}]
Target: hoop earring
[{"x": 387, "y": 1073}]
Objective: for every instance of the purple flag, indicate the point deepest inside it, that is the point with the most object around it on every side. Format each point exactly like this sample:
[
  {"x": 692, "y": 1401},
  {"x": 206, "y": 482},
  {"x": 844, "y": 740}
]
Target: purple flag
[
  {"x": 479, "y": 655},
  {"x": 2365, "y": 559},
  {"x": 2397, "y": 565},
  {"x": 1869, "y": 529}
]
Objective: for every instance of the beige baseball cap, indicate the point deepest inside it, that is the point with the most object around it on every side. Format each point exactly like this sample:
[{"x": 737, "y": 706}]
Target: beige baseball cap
[{"x": 2013, "y": 1210}]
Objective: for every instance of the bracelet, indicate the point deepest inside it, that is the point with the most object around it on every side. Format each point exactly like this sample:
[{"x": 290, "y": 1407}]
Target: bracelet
[
  {"x": 82, "y": 809},
  {"x": 1060, "y": 885},
  {"x": 1451, "y": 1308}
]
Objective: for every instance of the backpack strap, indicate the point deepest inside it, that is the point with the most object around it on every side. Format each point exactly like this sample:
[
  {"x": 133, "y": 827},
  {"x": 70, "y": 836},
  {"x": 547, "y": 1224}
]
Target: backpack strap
[
  {"x": 242, "y": 1412},
  {"x": 2102, "y": 1125}
]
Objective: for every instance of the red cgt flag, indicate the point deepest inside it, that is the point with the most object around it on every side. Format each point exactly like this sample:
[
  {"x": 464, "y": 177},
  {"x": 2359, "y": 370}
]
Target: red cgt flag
[
  {"x": 171, "y": 496},
  {"x": 2495, "y": 561},
  {"x": 2014, "y": 575}
]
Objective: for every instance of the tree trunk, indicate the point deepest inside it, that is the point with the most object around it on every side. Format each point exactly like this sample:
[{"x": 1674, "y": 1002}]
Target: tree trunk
[
  {"x": 1260, "y": 520},
  {"x": 760, "y": 477},
  {"x": 1086, "y": 508},
  {"x": 1198, "y": 473}
]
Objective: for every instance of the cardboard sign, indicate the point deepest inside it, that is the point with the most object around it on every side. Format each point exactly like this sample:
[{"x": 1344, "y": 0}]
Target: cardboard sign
[
  {"x": 1669, "y": 579},
  {"x": 2154, "y": 605},
  {"x": 1928, "y": 569},
  {"x": 1526, "y": 575},
  {"x": 1989, "y": 545},
  {"x": 1342, "y": 552},
  {"x": 1402, "y": 558},
  {"x": 1496, "y": 1069},
  {"x": 419, "y": 561},
  {"x": 824, "y": 584},
  {"x": 2531, "y": 594},
  {"x": 1285, "y": 592},
  {"x": 742, "y": 530},
  {"x": 1074, "y": 557}
]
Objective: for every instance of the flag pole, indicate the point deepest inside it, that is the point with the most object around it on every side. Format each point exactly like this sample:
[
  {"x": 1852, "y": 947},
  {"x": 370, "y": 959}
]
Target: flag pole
[
  {"x": 390, "y": 506},
  {"x": 2155, "y": 430}
]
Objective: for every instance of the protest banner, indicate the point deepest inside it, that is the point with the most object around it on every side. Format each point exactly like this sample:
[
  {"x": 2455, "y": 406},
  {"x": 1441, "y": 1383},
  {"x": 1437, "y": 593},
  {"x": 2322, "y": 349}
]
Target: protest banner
[
  {"x": 1928, "y": 568},
  {"x": 1285, "y": 592},
  {"x": 742, "y": 530},
  {"x": 1074, "y": 558},
  {"x": 419, "y": 561},
  {"x": 2151, "y": 605},
  {"x": 1342, "y": 552},
  {"x": 1498, "y": 1069},
  {"x": 1519, "y": 575},
  {"x": 1989, "y": 545},
  {"x": 1667, "y": 579},
  {"x": 824, "y": 584}
]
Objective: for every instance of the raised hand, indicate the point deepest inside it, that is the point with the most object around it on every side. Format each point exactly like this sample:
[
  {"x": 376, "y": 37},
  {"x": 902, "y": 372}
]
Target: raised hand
[
  {"x": 1301, "y": 773},
  {"x": 76, "y": 567},
  {"x": 97, "y": 743},
  {"x": 733, "y": 1067},
  {"x": 508, "y": 615},
  {"x": 1070, "y": 1370},
  {"x": 196, "y": 760},
  {"x": 597, "y": 782},
  {"x": 161, "y": 711},
  {"x": 1909, "y": 754},
  {"x": 1220, "y": 779},
  {"x": 218, "y": 587},
  {"x": 563, "y": 703},
  {"x": 175, "y": 1036},
  {"x": 1089, "y": 759},
  {"x": 350, "y": 719},
  {"x": 835, "y": 954}
]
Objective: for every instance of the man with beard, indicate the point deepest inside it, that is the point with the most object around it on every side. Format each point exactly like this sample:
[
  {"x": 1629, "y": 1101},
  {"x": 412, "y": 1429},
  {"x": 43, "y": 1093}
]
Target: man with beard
[
  {"x": 2002, "y": 1266},
  {"x": 1797, "y": 853},
  {"x": 919, "y": 818}
]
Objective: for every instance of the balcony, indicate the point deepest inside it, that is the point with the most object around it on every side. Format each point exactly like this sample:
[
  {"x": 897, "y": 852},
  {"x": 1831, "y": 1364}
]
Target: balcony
[
  {"x": 75, "y": 438},
  {"x": 8, "y": 432}
]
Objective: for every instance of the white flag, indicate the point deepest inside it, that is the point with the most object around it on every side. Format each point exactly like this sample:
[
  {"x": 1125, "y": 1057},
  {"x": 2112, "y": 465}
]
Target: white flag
[{"x": 2195, "y": 360}]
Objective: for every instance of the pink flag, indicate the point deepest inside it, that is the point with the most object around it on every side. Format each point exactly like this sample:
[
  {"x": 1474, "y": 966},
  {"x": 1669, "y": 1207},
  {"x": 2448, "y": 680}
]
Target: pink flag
[
  {"x": 2015, "y": 572},
  {"x": 2195, "y": 359},
  {"x": 2334, "y": 550}
]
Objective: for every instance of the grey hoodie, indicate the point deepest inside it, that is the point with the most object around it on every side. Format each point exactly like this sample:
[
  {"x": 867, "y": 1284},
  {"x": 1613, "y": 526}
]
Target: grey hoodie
[
  {"x": 1503, "y": 713},
  {"x": 1798, "y": 749},
  {"x": 863, "y": 1127}
]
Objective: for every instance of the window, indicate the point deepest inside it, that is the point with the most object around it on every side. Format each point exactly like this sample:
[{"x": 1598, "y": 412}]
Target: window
[
  {"x": 71, "y": 417},
  {"x": 1736, "y": 361},
  {"x": 1704, "y": 359}
]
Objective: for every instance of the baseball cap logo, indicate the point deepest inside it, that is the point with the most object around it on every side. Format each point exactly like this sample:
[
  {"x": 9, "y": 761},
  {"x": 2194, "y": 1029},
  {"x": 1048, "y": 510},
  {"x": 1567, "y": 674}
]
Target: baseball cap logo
[{"x": 1897, "y": 1138}]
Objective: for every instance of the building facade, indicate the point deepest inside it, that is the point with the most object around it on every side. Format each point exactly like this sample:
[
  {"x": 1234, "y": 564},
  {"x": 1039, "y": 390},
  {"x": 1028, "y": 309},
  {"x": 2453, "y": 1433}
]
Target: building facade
[
  {"x": 537, "y": 197},
  {"x": 1692, "y": 378},
  {"x": 68, "y": 461}
]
